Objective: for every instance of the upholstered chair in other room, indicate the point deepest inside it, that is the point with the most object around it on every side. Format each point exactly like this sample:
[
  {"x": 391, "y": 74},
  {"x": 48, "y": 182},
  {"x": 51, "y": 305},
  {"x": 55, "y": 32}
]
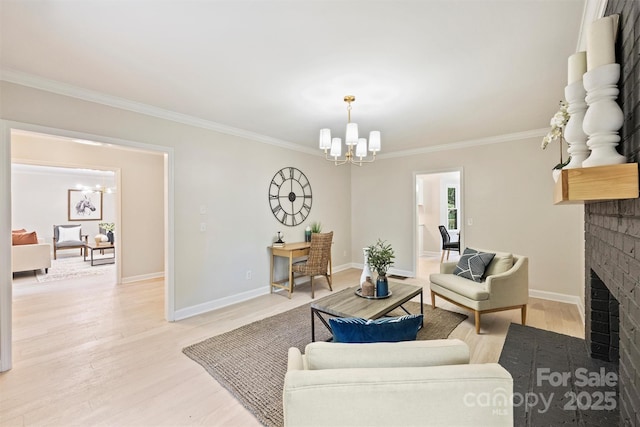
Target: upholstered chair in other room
[
  {"x": 68, "y": 237},
  {"x": 317, "y": 263}
]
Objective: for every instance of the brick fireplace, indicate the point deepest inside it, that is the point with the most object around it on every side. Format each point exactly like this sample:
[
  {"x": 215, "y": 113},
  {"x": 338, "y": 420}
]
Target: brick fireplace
[{"x": 612, "y": 239}]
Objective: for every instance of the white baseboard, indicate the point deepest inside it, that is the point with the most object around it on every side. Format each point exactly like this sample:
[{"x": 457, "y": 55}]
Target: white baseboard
[
  {"x": 206, "y": 307},
  {"x": 430, "y": 254},
  {"x": 339, "y": 268},
  {"x": 554, "y": 296},
  {"x": 396, "y": 271},
  {"x": 130, "y": 279}
]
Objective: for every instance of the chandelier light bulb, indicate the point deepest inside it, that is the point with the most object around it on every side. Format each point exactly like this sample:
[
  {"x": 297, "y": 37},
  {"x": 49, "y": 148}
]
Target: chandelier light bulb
[
  {"x": 336, "y": 147},
  {"x": 325, "y": 139}
]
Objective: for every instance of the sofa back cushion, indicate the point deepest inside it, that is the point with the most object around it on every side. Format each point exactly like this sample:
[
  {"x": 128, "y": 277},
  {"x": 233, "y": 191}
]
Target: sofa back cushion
[
  {"x": 386, "y": 329},
  {"x": 332, "y": 355},
  {"x": 501, "y": 262},
  {"x": 25, "y": 238}
]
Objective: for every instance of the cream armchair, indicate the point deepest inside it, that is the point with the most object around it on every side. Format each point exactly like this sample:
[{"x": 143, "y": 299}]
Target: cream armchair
[
  {"x": 506, "y": 286},
  {"x": 410, "y": 383}
]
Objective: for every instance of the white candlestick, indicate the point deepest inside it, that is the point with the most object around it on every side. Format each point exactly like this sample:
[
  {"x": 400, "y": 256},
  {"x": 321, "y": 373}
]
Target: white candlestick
[
  {"x": 601, "y": 39},
  {"x": 573, "y": 132},
  {"x": 604, "y": 116},
  {"x": 577, "y": 66}
]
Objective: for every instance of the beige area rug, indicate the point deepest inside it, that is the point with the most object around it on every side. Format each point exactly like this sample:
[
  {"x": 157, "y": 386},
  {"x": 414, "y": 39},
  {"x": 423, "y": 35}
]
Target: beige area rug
[
  {"x": 73, "y": 267},
  {"x": 251, "y": 361}
]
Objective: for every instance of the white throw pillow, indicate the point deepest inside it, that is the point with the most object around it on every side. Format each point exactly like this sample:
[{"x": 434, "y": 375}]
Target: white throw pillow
[{"x": 68, "y": 234}]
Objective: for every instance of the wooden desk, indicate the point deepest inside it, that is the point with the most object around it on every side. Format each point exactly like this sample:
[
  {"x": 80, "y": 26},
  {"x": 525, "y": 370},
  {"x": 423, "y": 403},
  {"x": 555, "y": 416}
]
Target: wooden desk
[{"x": 290, "y": 251}]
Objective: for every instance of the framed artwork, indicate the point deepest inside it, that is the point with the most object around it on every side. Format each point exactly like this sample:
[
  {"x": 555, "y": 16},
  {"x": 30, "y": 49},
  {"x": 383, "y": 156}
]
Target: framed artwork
[{"x": 85, "y": 205}]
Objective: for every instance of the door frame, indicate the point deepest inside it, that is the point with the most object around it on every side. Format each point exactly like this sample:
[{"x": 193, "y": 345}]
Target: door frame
[
  {"x": 416, "y": 225},
  {"x": 6, "y": 295}
]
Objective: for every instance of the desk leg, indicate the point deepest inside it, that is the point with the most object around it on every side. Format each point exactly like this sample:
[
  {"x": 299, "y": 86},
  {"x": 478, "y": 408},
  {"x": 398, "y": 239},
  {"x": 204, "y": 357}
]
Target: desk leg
[
  {"x": 290, "y": 274},
  {"x": 271, "y": 282},
  {"x": 422, "y": 308}
]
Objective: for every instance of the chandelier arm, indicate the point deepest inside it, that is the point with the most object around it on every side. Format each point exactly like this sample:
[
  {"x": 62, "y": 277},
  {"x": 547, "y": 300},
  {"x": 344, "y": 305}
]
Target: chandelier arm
[{"x": 337, "y": 161}]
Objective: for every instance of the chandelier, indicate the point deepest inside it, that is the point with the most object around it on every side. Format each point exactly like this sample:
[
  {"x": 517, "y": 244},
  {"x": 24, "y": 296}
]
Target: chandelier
[{"x": 356, "y": 147}]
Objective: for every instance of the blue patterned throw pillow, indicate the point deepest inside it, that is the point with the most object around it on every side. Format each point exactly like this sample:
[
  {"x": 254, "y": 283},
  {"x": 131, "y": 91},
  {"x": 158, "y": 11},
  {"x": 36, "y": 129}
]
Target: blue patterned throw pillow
[
  {"x": 386, "y": 329},
  {"x": 472, "y": 264}
]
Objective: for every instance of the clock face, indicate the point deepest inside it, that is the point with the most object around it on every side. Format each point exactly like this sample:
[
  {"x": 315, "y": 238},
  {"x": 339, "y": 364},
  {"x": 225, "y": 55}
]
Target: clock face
[{"x": 290, "y": 196}]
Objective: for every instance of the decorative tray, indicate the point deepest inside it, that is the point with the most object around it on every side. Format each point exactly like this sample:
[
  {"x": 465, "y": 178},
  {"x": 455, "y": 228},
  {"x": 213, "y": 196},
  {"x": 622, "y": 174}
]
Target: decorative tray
[{"x": 359, "y": 293}]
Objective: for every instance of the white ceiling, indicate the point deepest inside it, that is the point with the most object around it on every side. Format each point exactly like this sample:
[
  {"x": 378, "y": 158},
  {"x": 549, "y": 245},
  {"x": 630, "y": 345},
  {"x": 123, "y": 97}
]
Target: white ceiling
[{"x": 424, "y": 73}]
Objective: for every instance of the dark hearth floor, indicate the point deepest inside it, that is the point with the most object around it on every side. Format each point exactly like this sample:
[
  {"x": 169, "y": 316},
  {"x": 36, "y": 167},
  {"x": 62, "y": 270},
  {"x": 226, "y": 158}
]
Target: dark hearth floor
[{"x": 536, "y": 359}]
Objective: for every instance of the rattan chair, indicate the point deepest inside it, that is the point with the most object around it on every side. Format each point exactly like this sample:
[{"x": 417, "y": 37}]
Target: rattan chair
[{"x": 318, "y": 260}]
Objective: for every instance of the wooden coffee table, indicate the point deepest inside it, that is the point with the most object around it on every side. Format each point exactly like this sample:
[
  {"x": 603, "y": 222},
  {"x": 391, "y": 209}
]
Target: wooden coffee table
[
  {"x": 91, "y": 247},
  {"x": 347, "y": 304}
]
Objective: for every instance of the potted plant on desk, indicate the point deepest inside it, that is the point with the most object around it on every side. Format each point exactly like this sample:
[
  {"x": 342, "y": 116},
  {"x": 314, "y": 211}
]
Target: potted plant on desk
[{"x": 381, "y": 256}]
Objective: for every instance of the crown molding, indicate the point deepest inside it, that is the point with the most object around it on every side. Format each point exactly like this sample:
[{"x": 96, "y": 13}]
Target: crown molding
[
  {"x": 593, "y": 10},
  {"x": 29, "y": 80},
  {"x": 535, "y": 133}
]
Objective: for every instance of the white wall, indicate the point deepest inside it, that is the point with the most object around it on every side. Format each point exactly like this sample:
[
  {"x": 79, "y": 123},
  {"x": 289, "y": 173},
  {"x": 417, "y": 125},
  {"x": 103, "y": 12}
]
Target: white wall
[
  {"x": 39, "y": 198},
  {"x": 507, "y": 192},
  {"x": 228, "y": 175}
]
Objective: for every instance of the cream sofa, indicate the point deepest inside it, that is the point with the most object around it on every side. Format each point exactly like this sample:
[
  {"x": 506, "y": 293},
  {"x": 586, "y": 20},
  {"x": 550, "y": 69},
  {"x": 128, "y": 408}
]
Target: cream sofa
[
  {"x": 506, "y": 286},
  {"x": 411, "y": 383},
  {"x": 31, "y": 257}
]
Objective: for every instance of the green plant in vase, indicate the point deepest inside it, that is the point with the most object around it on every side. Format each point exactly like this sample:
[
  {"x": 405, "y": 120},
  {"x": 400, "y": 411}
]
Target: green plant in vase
[
  {"x": 316, "y": 227},
  {"x": 380, "y": 259}
]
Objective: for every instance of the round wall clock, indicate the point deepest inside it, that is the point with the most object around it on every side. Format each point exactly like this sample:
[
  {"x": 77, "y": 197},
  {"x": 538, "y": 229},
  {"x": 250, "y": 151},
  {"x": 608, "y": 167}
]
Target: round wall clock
[{"x": 290, "y": 196}]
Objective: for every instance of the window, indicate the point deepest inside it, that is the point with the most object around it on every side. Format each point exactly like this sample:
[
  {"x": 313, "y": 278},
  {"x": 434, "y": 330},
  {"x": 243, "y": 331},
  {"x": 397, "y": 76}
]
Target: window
[{"x": 452, "y": 209}]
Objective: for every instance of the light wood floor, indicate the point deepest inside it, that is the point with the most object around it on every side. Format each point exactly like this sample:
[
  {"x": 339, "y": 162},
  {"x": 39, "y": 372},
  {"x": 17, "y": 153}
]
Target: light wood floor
[{"x": 88, "y": 352}]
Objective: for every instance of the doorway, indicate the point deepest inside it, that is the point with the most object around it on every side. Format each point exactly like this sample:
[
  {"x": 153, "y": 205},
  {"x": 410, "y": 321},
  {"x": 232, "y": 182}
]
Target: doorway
[
  {"x": 164, "y": 231},
  {"x": 439, "y": 201}
]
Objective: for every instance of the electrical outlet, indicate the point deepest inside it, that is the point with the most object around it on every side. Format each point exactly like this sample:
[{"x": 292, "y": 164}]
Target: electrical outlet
[
  {"x": 248, "y": 275},
  {"x": 203, "y": 226},
  {"x": 203, "y": 210}
]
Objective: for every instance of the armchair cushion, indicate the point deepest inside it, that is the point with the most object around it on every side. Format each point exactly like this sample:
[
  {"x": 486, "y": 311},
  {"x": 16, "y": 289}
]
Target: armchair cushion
[
  {"x": 462, "y": 286},
  {"x": 69, "y": 234},
  {"x": 472, "y": 264},
  {"x": 386, "y": 329}
]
